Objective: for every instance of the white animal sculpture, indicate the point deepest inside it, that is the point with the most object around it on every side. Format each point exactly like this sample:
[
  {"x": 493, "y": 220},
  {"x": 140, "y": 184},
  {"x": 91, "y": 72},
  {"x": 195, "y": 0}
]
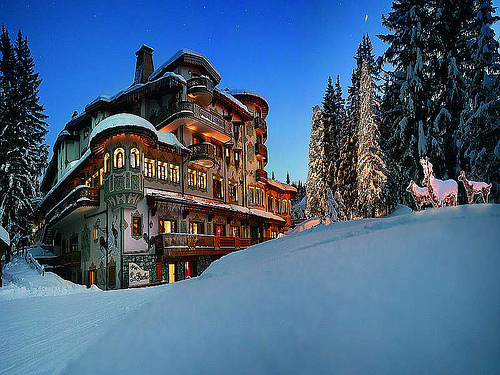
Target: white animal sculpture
[
  {"x": 420, "y": 194},
  {"x": 473, "y": 188},
  {"x": 441, "y": 192}
]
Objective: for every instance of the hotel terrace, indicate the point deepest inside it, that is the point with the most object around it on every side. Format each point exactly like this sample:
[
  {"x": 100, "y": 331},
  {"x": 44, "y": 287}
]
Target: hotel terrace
[{"x": 156, "y": 182}]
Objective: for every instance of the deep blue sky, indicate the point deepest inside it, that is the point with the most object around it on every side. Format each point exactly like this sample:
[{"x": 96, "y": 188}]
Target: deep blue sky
[{"x": 284, "y": 50}]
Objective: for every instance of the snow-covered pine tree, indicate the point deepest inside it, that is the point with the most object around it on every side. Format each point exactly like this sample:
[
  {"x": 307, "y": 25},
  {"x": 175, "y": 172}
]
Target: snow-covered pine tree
[
  {"x": 371, "y": 166},
  {"x": 407, "y": 92},
  {"x": 316, "y": 184},
  {"x": 332, "y": 125},
  {"x": 479, "y": 134},
  {"x": 22, "y": 132},
  {"x": 449, "y": 60}
]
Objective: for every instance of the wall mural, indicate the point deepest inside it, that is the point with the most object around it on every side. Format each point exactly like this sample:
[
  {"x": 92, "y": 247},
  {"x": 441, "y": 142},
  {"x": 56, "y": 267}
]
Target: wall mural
[
  {"x": 112, "y": 245},
  {"x": 85, "y": 243}
]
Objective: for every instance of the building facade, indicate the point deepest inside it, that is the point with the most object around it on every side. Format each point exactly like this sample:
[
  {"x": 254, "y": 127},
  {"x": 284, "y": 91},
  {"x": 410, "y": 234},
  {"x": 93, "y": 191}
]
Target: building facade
[{"x": 156, "y": 182}]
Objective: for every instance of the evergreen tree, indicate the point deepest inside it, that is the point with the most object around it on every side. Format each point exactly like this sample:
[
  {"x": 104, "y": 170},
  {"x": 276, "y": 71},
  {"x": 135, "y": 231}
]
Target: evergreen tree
[
  {"x": 479, "y": 135},
  {"x": 371, "y": 166},
  {"x": 316, "y": 184},
  {"x": 23, "y": 154},
  {"x": 287, "y": 178},
  {"x": 407, "y": 92}
]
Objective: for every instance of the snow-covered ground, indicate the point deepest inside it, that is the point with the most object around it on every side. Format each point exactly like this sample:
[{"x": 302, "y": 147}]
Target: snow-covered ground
[
  {"x": 22, "y": 281},
  {"x": 411, "y": 293}
]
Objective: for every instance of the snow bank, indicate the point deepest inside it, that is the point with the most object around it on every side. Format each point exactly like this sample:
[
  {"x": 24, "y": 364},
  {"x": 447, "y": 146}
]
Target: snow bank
[
  {"x": 305, "y": 225},
  {"x": 22, "y": 281},
  {"x": 409, "y": 294}
]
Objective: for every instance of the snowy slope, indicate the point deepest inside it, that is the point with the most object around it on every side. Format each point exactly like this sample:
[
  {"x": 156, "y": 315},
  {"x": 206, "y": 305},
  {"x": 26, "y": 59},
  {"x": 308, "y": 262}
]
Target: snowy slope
[{"x": 413, "y": 293}]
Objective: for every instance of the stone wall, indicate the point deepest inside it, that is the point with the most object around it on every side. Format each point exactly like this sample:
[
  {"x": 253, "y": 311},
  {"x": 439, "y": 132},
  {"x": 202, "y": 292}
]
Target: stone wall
[{"x": 146, "y": 262}]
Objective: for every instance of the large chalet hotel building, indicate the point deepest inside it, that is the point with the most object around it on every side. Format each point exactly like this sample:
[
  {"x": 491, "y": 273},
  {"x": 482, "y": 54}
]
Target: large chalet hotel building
[{"x": 154, "y": 183}]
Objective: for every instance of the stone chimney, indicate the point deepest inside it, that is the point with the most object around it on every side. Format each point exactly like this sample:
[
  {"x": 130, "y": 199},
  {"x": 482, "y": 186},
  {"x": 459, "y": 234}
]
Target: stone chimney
[{"x": 144, "y": 64}]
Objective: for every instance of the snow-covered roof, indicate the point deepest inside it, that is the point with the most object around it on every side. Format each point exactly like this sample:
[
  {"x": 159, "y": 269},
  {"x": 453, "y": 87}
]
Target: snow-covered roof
[
  {"x": 242, "y": 106},
  {"x": 170, "y": 139},
  {"x": 247, "y": 92},
  {"x": 4, "y": 236},
  {"x": 224, "y": 206},
  {"x": 281, "y": 185},
  {"x": 110, "y": 98},
  {"x": 175, "y": 56},
  {"x": 67, "y": 171},
  {"x": 122, "y": 119}
]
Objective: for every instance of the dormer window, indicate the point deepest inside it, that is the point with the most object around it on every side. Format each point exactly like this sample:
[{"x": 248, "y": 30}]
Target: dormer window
[{"x": 119, "y": 158}]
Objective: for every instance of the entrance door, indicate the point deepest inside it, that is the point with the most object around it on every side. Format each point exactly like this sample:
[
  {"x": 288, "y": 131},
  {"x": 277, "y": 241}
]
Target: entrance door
[
  {"x": 158, "y": 269},
  {"x": 219, "y": 230},
  {"x": 171, "y": 273}
]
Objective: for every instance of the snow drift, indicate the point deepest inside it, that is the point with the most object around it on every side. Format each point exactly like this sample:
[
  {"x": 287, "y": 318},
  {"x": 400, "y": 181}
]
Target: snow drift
[{"x": 413, "y": 293}]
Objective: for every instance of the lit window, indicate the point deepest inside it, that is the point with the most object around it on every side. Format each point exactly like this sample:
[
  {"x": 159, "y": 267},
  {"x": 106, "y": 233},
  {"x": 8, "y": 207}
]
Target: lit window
[
  {"x": 136, "y": 226},
  {"x": 96, "y": 232},
  {"x": 191, "y": 178},
  {"x": 149, "y": 168},
  {"x": 88, "y": 183},
  {"x": 95, "y": 180},
  {"x": 174, "y": 173},
  {"x": 202, "y": 180},
  {"x": 107, "y": 163},
  {"x": 101, "y": 176},
  {"x": 251, "y": 195},
  {"x": 162, "y": 171},
  {"x": 196, "y": 227},
  {"x": 119, "y": 158},
  {"x": 233, "y": 195},
  {"x": 217, "y": 185},
  {"x": 168, "y": 226},
  {"x": 134, "y": 158}
]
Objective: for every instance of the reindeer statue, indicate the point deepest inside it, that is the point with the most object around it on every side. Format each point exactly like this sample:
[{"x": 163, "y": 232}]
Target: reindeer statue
[
  {"x": 473, "y": 188},
  {"x": 440, "y": 192},
  {"x": 420, "y": 194}
]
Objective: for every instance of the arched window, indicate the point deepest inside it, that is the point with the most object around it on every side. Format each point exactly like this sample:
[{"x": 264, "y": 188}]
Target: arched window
[
  {"x": 119, "y": 158},
  {"x": 107, "y": 163},
  {"x": 134, "y": 158}
]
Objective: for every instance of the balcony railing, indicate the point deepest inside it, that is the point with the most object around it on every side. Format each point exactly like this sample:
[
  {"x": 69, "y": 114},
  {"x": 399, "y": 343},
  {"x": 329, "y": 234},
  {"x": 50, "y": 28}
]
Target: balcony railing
[
  {"x": 260, "y": 125},
  {"x": 199, "y": 84},
  {"x": 261, "y": 175},
  {"x": 183, "y": 244},
  {"x": 203, "y": 154},
  {"x": 261, "y": 151},
  {"x": 194, "y": 111},
  {"x": 79, "y": 197}
]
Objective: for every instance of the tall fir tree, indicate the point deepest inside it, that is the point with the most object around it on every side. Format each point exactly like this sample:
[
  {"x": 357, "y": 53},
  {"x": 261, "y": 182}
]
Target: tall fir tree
[
  {"x": 370, "y": 166},
  {"x": 479, "y": 135},
  {"x": 316, "y": 184},
  {"x": 407, "y": 92},
  {"x": 332, "y": 124},
  {"x": 22, "y": 133}
]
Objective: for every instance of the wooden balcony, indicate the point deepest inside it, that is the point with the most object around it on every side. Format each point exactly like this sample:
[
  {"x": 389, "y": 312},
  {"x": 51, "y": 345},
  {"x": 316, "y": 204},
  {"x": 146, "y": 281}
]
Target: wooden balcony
[
  {"x": 195, "y": 117},
  {"x": 260, "y": 125},
  {"x": 261, "y": 175},
  {"x": 200, "y": 89},
  {"x": 261, "y": 151},
  {"x": 203, "y": 154},
  {"x": 81, "y": 196},
  {"x": 183, "y": 244}
]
